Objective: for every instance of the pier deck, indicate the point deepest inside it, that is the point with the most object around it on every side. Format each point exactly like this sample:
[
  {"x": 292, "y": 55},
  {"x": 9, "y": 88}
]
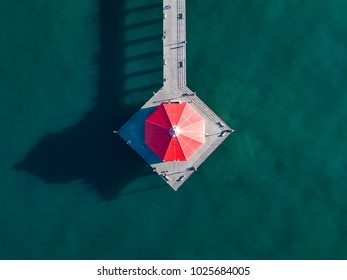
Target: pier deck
[{"x": 174, "y": 90}]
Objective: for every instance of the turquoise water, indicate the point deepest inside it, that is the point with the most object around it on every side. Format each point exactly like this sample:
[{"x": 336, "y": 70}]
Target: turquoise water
[{"x": 73, "y": 71}]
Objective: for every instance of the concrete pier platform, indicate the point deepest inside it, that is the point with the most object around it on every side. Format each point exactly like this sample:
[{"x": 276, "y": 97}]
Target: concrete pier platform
[{"x": 174, "y": 89}]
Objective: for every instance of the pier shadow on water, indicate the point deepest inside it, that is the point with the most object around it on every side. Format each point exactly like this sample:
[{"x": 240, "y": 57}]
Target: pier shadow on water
[{"x": 90, "y": 151}]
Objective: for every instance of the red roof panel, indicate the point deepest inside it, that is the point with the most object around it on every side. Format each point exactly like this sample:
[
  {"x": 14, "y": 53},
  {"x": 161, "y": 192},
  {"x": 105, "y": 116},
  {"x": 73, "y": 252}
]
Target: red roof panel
[
  {"x": 174, "y": 113},
  {"x": 174, "y": 151},
  {"x": 160, "y": 117},
  {"x": 157, "y": 139}
]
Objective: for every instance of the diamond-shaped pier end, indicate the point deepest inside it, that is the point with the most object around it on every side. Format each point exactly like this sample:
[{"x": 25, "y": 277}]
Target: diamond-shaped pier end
[{"x": 172, "y": 151}]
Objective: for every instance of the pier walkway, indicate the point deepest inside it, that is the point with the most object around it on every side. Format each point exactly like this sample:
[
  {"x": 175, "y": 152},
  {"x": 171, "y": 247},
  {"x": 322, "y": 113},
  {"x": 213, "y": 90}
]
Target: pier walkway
[
  {"x": 174, "y": 43},
  {"x": 174, "y": 90}
]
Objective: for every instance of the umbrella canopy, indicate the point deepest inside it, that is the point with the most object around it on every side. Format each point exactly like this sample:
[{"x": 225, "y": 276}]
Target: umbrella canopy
[{"x": 174, "y": 131}]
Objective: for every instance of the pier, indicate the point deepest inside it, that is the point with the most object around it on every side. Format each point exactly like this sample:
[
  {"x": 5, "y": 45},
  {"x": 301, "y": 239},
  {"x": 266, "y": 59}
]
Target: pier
[{"x": 174, "y": 90}]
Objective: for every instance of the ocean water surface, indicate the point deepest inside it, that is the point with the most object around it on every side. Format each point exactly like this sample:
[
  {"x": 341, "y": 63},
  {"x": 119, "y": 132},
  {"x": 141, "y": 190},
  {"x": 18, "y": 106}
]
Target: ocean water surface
[{"x": 71, "y": 72}]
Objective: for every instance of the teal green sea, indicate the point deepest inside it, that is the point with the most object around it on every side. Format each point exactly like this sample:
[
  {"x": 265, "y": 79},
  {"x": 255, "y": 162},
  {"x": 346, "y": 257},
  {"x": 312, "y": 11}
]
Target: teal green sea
[{"x": 71, "y": 72}]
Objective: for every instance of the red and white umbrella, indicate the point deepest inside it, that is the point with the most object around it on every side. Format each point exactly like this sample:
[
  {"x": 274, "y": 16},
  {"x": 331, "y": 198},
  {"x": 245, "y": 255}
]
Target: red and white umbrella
[{"x": 174, "y": 131}]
